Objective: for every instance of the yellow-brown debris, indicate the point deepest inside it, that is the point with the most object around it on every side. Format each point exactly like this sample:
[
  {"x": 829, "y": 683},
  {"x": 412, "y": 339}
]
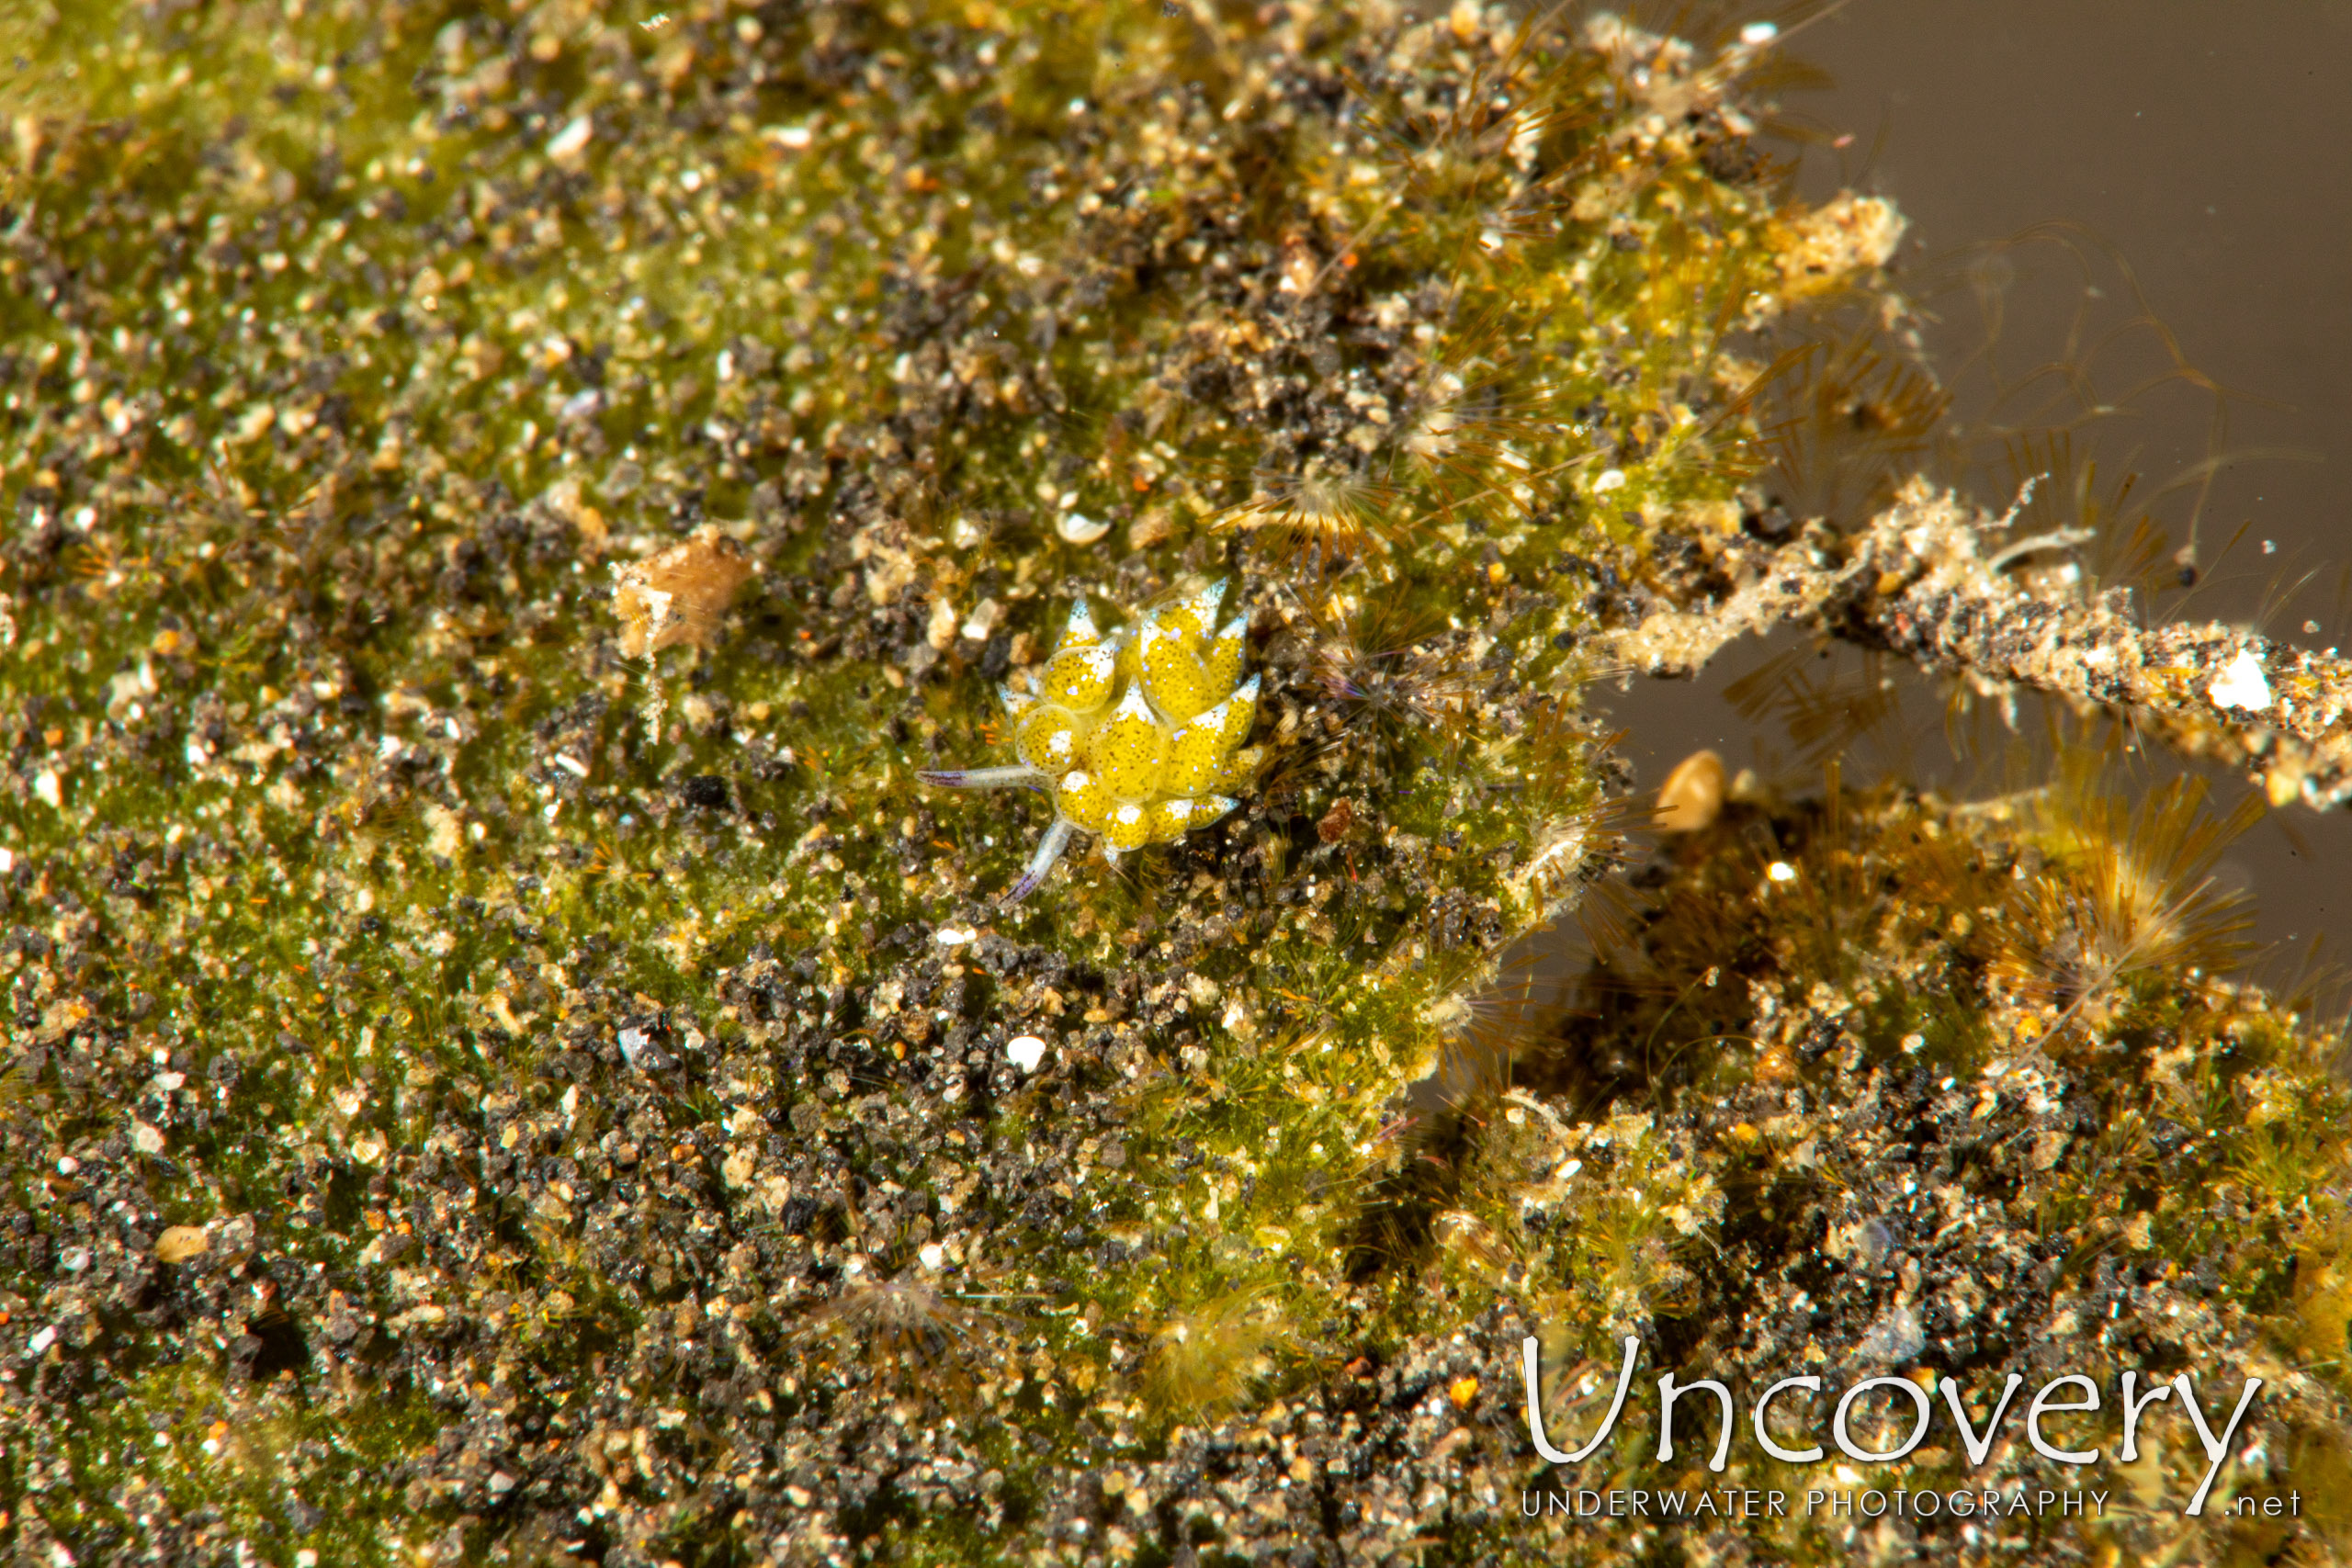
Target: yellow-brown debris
[{"x": 679, "y": 594}]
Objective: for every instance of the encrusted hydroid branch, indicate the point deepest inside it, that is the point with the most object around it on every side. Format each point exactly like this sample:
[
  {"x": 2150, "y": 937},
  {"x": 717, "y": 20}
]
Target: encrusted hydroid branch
[{"x": 1923, "y": 580}]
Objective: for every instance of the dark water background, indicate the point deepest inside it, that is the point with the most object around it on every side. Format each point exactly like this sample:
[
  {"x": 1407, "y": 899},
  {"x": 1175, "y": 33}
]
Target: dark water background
[{"x": 2054, "y": 156}]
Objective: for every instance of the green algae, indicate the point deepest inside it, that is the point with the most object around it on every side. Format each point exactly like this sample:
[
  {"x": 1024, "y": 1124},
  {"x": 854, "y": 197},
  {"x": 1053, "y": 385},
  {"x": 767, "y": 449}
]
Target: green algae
[{"x": 598, "y": 1163}]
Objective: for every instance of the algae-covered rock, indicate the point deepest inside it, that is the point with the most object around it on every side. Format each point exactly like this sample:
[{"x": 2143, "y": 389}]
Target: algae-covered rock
[{"x": 508, "y": 1061}]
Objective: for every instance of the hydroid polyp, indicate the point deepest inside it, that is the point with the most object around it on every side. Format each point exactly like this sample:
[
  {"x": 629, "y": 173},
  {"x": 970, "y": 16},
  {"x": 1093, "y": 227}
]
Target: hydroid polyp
[
  {"x": 1845, "y": 425},
  {"x": 903, "y": 1322},
  {"x": 1482, "y": 174},
  {"x": 1329, "y": 510},
  {"x": 1383, "y": 665},
  {"x": 1203, "y": 1360},
  {"x": 2129, "y": 889}
]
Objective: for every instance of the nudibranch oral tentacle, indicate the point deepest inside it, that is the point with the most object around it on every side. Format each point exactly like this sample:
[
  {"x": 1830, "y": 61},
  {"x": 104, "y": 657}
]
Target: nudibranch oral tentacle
[
  {"x": 987, "y": 778},
  {"x": 1137, "y": 734},
  {"x": 1041, "y": 865}
]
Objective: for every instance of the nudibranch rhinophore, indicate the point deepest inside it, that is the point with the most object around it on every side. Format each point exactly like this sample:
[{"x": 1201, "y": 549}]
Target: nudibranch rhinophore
[{"x": 1138, "y": 735}]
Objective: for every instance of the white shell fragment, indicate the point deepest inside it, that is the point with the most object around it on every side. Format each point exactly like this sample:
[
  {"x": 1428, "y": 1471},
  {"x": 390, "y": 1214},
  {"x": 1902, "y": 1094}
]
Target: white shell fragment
[
  {"x": 2242, "y": 685},
  {"x": 954, "y": 936},
  {"x": 1077, "y": 528},
  {"x": 1026, "y": 1051},
  {"x": 572, "y": 139}
]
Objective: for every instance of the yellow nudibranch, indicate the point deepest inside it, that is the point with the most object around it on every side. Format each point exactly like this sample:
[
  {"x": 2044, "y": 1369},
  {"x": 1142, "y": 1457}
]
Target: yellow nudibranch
[{"x": 1138, "y": 735}]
